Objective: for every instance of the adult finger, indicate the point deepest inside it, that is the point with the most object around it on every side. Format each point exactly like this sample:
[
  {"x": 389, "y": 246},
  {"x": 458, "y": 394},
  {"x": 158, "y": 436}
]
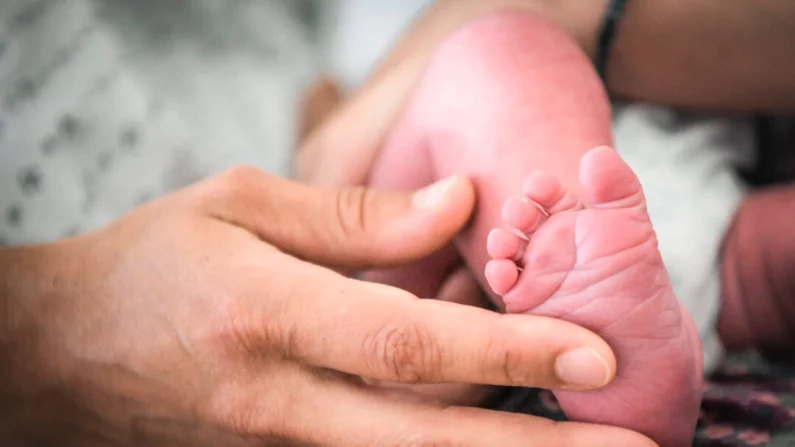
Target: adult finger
[
  {"x": 347, "y": 227},
  {"x": 384, "y": 333},
  {"x": 343, "y": 415},
  {"x": 462, "y": 288}
]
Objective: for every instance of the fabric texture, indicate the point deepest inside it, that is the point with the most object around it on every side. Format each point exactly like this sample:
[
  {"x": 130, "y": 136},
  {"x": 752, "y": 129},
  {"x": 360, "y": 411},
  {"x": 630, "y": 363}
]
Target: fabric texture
[
  {"x": 688, "y": 165},
  {"x": 747, "y": 402},
  {"x": 106, "y": 104}
]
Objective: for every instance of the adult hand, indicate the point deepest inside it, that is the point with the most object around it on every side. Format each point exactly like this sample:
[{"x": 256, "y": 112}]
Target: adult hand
[{"x": 214, "y": 317}]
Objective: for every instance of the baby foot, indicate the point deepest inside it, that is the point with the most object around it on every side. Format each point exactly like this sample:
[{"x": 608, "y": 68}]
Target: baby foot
[{"x": 597, "y": 265}]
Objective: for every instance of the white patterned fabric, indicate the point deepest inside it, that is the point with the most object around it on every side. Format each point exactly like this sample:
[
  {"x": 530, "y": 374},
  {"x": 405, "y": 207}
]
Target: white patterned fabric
[{"x": 105, "y": 104}]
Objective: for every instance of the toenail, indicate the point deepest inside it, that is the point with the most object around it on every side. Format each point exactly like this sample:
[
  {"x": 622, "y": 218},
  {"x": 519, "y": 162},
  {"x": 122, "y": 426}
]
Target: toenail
[
  {"x": 582, "y": 367},
  {"x": 432, "y": 196}
]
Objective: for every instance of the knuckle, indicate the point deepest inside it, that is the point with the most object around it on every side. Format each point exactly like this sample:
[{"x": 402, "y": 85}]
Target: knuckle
[
  {"x": 233, "y": 411},
  {"x": 255, "y": 409},
  {"x": 284, "y": 339},
  {"x": 506, "y": 360},
  {"x": 247, "y": 417},
  {"x": 243, "y": 196},
  {"x": 239, "y": 418},
  {"x": 233, "y": 186},
  {"x": 405, "y": 352},
  {"x": 350, "y": 205},
  {"x": 239, "y": 331},
  {"x": 237, "y": 181}
]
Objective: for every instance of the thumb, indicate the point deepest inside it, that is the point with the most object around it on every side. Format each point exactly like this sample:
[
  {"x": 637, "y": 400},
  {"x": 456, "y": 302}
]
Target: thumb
[
  {"x": 347, "y": 227},
  {"x": 357, "y": 227}
]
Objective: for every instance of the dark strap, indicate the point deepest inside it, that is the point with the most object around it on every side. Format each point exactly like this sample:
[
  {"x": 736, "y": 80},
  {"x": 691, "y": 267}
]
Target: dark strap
[{"x": 607, "y": 34}]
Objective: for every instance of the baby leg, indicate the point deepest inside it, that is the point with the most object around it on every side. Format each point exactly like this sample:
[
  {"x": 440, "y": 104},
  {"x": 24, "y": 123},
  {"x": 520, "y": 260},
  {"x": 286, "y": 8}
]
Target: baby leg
[
  {"x": 509, "y": 95},
  {"x": 405, "y": 164},
  {"x": 480, "y": 109},
  {"x": 504, "y": 96}
]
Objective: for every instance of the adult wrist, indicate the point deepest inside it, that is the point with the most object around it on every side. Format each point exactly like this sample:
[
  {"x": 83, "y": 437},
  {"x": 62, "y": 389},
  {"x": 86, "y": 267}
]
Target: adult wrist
[{"x": 26, "y": 375}]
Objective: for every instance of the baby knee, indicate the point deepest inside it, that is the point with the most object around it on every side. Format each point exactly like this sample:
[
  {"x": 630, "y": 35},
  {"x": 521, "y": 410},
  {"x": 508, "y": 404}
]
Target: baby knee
[
  {"x": 511, "y": 66},
  {"x": 511, "y": 45}
]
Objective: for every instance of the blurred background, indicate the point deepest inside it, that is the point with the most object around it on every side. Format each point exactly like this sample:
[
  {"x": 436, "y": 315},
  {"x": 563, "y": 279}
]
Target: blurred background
[{"x": 107, "y": 104}]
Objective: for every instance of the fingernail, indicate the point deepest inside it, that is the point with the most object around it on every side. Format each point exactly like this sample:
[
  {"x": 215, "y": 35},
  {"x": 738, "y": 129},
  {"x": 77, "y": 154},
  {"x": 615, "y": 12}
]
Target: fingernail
[
  {"x": 582, "y": 367},
  {"x": 434, "y": 195}
]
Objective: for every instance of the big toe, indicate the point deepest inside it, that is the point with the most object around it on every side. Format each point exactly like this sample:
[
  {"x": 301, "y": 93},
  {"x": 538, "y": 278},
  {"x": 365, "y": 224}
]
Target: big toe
[{"x": 607, "y": 181}]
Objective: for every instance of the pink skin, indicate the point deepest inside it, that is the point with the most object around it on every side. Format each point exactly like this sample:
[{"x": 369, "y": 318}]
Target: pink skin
[
  {"x": 508, "y": 95},
  {"x": 599, "y": 266}
]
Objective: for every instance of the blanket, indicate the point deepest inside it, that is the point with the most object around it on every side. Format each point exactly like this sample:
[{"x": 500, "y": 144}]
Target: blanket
[{"x": 747, "y": 402}]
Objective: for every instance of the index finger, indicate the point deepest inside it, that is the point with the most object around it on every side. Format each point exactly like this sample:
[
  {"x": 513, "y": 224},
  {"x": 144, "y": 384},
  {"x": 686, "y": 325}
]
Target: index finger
[{"x": 384, "y": 333}]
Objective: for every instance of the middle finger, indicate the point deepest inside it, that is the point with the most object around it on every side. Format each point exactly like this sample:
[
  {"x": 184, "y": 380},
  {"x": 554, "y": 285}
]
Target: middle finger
[{"x": 384, "y": 333}]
